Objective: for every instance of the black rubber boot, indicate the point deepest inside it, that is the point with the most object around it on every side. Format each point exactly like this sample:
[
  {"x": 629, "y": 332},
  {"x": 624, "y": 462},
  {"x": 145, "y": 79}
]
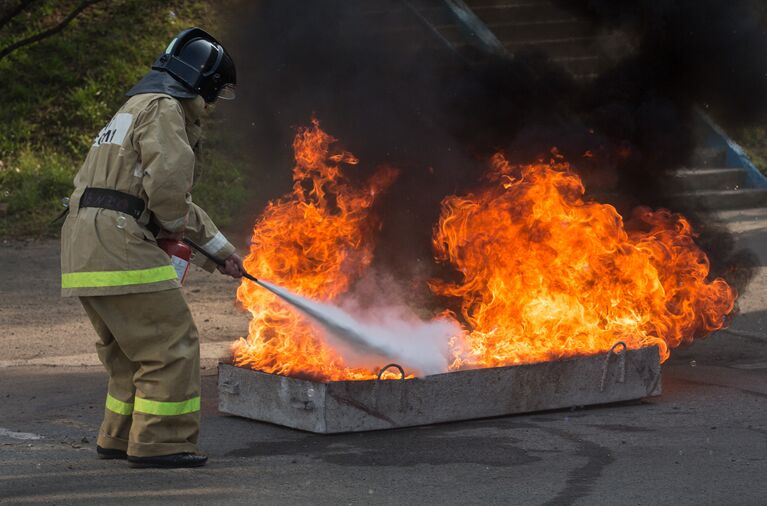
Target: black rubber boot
[
  {"x": 110, "y": 453},
  {"x": 169, "y": 461}
]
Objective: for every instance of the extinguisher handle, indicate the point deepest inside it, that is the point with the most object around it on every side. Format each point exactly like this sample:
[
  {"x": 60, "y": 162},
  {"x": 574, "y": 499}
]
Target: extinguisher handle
[{"x": 217, "y": 261}]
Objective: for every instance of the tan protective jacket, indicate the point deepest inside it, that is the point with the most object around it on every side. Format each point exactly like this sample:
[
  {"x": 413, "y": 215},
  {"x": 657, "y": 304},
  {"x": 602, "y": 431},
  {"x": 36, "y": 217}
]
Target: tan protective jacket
[{"x": 146, "y": 150}]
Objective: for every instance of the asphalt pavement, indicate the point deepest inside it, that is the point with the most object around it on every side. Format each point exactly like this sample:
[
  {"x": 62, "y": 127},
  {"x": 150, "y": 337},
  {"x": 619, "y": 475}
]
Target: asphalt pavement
[{"x": 703, "y": 441}]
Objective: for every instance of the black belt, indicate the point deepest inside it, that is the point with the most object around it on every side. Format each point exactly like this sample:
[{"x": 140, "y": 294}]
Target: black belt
[{"x": 114, "y": 200}]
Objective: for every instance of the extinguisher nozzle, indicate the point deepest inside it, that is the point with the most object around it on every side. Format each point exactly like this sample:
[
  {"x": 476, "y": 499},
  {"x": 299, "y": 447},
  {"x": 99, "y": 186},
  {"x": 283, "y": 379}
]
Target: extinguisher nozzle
[{"x": 217, "y": 261}]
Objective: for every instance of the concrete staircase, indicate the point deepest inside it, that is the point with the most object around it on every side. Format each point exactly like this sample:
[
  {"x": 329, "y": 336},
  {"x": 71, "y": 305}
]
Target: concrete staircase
[
  {"x": 470, "y": 27},
  {"x": 564, "y": 35},
  {"x": 710, "y": 184},
  {"x": 500, "y": 26},
  {"x": 718, "y": 176}
]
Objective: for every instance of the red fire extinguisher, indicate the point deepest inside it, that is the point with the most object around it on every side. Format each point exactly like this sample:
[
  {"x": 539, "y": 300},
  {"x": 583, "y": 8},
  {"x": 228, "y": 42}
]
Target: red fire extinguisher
[{"x": 180, "y": 254}]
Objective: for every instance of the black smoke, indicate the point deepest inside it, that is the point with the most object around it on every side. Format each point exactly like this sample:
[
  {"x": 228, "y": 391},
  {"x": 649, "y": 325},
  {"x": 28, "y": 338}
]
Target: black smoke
[{"x": 394, "y": 94}]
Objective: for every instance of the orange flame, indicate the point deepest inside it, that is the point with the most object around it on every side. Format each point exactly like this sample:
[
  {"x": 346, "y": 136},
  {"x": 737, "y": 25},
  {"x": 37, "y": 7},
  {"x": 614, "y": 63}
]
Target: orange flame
[
  {"x": 314, "y": 241},
  {"x": 544, "y": 273},
  {"x": 548, "y": 275}
]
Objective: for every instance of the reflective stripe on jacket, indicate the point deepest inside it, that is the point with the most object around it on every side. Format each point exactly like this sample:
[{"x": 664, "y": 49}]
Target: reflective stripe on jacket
[{"x": 146, "y": 150}]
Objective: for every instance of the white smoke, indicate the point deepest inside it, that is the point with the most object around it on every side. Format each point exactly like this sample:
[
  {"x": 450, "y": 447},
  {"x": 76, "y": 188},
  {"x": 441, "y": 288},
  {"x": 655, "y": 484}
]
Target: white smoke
[{"x": 371, "y": 336}]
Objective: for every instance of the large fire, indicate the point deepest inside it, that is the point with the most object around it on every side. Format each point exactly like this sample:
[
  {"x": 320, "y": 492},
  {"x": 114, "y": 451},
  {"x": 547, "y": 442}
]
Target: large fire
[
  {"x": 548, "y": 275},
  {"x": 544, "y": 274},
  {"x": 314, "y": 241}
]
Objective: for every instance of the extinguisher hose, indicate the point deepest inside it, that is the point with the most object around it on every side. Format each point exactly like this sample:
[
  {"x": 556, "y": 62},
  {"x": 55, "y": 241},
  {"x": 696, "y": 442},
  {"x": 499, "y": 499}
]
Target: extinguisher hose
[{"x": 218, "y": 261}]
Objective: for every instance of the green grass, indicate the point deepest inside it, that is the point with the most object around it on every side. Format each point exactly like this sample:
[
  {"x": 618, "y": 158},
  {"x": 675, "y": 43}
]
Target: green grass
[
  {"x": 754, "y": 141},
  {"x": 58, "y": 93},
  {"x": 220, "y": 190},
  {"x": 32, "y": 189}
]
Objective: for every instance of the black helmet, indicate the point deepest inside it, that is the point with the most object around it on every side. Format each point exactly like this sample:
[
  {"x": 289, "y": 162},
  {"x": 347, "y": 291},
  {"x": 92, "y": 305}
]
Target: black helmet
[{"x": 199, "y": 62}]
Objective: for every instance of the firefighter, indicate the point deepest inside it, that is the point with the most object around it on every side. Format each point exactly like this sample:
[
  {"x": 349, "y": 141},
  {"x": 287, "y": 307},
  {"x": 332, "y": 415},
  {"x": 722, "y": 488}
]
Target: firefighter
[{"x": 132, "y": 189}]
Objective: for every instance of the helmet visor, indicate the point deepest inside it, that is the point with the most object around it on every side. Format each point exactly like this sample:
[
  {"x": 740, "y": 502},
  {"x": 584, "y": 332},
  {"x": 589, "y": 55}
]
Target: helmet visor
[{"x": 227, "y": 92}]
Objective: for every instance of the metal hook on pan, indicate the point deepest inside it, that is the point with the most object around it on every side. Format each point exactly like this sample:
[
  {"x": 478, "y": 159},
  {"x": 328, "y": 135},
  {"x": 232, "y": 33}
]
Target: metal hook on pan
[
  {"x": 397, "y": 366},
  {"x": 621, "y": 364}
]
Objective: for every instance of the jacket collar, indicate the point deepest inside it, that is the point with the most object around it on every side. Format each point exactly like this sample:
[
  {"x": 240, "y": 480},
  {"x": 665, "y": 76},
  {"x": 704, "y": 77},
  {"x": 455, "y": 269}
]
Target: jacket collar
[{"x": 161, "y": 82}]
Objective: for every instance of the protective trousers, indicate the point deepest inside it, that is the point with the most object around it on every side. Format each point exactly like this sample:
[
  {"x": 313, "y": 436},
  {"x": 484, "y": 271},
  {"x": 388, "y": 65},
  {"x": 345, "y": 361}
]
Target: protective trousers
[{"x": 150, "y": 348}]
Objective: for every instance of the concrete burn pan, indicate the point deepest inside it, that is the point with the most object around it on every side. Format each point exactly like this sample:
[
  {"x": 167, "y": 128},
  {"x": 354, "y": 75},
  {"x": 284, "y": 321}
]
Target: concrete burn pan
[{"x": 354, "y": 406}]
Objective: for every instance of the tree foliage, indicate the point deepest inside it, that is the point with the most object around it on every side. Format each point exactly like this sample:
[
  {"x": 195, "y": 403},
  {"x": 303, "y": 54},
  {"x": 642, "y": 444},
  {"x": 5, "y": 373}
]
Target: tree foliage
[
  {"x": 60, "y": 89},
  {"x": 35, "y": 34}
]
